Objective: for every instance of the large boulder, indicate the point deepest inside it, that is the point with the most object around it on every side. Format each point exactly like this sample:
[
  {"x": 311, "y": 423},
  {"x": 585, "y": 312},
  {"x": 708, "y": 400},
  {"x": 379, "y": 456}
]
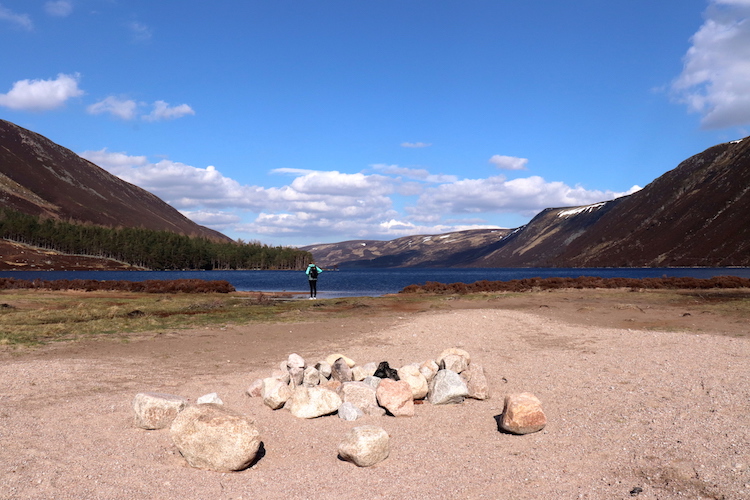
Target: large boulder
[
  {"x": 476, "y": 382},
  {"x": 215, "y": 438},
  {"x": 341, "y": 371},
  {"x": 429, "y": 369},
  {"x": 396, "y": 397},
  {"x": 448, "y": 359},
  {"x": 154, "y": 410},
  {"x": 312, "y": 402},
  {"x": 359, "y": 394},
  {"x": 447, "y": 387},
  {"x": 417, "y": 382},
  {"x": 522, "y": 414},
  {"x": 365, "y": 446},
  {"x": 275, "y": 392}
]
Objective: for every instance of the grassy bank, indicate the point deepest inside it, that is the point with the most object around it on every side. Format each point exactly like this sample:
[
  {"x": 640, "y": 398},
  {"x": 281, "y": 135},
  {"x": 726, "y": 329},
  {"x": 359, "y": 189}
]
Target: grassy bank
[{"x": 35, "y": 317}]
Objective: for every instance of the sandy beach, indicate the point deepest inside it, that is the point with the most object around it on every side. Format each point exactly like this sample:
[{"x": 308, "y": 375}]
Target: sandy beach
[{"x": 644, "y": 399}]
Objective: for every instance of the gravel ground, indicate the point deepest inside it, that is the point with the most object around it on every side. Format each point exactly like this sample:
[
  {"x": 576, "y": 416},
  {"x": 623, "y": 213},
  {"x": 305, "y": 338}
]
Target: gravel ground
[{"x": 631, "y": 413}]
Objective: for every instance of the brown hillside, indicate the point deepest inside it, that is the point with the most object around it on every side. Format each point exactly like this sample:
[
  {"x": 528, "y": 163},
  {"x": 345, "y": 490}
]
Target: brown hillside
[{"x": 40, "y": 177}]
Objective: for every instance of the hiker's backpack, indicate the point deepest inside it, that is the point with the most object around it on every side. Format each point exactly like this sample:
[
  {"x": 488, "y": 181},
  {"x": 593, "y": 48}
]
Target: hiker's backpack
[{"x": 314, "y": 272}]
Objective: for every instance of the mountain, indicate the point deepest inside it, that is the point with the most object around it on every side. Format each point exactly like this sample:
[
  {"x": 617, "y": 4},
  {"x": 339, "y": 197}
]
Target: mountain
[
  {"x": 444, "y": 250},
  {"x": 697, "y": 214},
  {"x": 39, "y": 177}
]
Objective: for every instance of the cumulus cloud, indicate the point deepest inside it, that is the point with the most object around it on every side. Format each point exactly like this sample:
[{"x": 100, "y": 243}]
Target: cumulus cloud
[
  {"x": 59, "y": 8},
  {"x": 41, "y": 95},
  {"x": 20, "y": 20},
  {"x": 415, "y": 144},
  {"x": 121, "y": 108},
  {"x": 715, "y": 80},
  {"x": 509, "y": 162},
  {"x": 526, "y": 196},
  {"x": 331, "y": 205},
  {"x": 163, "y": 111}
]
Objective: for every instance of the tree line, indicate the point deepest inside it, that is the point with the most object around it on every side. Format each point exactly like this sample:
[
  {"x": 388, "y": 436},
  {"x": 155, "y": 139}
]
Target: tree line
[{"x": 159, "y": 250}]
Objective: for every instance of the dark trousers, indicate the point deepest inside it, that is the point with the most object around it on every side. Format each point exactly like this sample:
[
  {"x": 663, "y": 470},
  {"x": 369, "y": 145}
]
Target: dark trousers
[{"x": 313, "y": 288}]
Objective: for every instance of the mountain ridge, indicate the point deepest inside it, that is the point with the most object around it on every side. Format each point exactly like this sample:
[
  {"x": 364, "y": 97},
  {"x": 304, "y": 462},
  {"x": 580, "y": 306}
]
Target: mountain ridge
[
  {"x": 695, "y": 215},
  {"x": 40, "y": 177}
]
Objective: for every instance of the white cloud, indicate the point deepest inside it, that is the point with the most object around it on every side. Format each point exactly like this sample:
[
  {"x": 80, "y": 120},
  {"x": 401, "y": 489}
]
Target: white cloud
[
  {"x": 125, "y": 109},
  {"x": 59, "y": 8},
  {"x": 20, "y": 20},
  {"x": 41, "y": 95},
  {"x": 715, "y": 80},
  {"x": 163, "y": 111},
  {"x": 216, "y": 219},
  {"x": 420, "y": 174},
  {"x": 509, "y": 162},
  {"x": 526, "y": 196},
  {"x": 140, "y": 32},
  {"x": 332, "y": 205},
  {"x": 415, "y": 144}
]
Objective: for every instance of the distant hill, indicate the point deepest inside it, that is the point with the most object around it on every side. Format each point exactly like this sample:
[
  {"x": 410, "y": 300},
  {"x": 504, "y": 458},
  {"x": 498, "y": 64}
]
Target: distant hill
[
  {"x": 39, "y": 177},
  {"x": 444, "y": 250},
  {"x": 697, "y": 214},
  {"x": 60, "y": 211}
]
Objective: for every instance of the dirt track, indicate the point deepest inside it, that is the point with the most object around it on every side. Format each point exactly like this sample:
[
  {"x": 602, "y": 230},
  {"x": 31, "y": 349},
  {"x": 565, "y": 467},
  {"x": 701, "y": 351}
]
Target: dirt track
[{"x": 639, "y": 393}]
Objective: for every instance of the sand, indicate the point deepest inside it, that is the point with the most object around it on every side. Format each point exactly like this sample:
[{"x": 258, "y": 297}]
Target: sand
[{"x": 643, "y": 399}]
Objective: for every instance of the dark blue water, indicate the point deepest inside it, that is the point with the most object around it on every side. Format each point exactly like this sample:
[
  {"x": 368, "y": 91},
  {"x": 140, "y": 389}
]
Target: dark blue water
[{"x": 373, "y": 282}]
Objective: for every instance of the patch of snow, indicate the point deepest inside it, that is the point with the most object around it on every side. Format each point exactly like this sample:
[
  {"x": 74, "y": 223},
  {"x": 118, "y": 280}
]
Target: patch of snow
[
  {"x": 426, "y": 239},
  {"x": 445, "y": 236},
  {"x": 363, "y": 244},
  {"x": 737, "y": 141},
  {"x": 580, "y": 210}
]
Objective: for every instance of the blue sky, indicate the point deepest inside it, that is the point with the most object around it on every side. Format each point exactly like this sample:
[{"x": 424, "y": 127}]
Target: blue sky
[{"x": 293, "y": 122}]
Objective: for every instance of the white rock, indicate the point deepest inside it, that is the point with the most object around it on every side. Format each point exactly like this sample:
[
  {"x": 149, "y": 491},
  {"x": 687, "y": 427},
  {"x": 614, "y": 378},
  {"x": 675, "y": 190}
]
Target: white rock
[
  {"x": 454, "y": 363},
  {"x": 312, "y": 402},
  {"x": 311, "y": 376},
  {"x": 360, "y": 373},
  {"x": 454, "y": 351},
  {"x": 447, "y": 388},
  {"x": 295, "y": 361},
  {"x": 212, "y": 437},
  {"x": 324, "y": 368},
  {"x": 429, "y": 368},
  {"x": 372, "y": 381},
  {"x": 275, "y": 393},
  {"x": 359, "y": 394},
  {"x": 349, "y": 412},
  {"x": 417, "y": 382},
  {"x": 154, "y": 410},
  {"x": 212, "y": 398},
  {"x": 365, "y": 446}
]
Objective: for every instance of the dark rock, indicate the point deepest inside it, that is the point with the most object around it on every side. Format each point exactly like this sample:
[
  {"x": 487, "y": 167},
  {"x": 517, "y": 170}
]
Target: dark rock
[{"x": 385, "y": 371}]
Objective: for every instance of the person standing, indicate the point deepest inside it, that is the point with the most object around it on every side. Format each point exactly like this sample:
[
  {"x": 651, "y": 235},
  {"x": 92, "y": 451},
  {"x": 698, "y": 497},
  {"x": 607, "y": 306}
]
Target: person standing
[{"x": 312, "y": 273}]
